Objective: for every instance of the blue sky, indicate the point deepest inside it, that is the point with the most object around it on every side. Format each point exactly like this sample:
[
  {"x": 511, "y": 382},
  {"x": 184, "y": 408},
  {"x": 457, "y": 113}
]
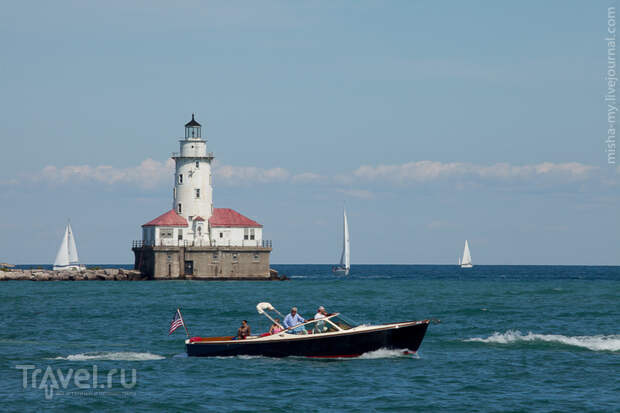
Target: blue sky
[{"x": 432, "y": 122}]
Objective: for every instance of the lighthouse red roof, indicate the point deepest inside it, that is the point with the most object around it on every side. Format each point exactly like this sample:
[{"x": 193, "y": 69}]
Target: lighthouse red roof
[
  {"x": 169, "y": 219},
  {"x": 226, "y": 217}
]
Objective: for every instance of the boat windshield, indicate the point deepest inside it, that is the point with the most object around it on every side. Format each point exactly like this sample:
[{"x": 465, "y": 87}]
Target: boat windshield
[
  {"x": 317, "y": 327},
  {"x": 343, "y": 322}
]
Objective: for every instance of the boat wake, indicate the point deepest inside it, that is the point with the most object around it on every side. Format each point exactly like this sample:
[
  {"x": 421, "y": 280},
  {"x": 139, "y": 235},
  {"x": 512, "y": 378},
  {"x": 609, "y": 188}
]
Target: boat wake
[
  {"x": 594, "y": 343},
  {"x": 384, "y": 353},
  {"x": 115, "y": 356}
]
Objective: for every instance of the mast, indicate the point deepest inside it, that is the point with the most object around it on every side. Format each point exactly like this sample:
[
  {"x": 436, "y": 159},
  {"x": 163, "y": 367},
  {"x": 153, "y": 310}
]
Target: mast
[
  {"x": 71, "y": 248},
  {"x": 346, "y": 248},
  {"x": 62, "y": 257}
]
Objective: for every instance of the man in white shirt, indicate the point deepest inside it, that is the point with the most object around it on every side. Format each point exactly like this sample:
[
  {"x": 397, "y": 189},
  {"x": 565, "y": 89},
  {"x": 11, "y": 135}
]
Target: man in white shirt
[{"x": 320, "y": 313}]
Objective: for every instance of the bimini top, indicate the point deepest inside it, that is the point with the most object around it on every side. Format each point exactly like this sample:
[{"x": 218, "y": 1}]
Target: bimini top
[
  {"x": 169, "y": 219},
  {"x": 226, "y": 217}
]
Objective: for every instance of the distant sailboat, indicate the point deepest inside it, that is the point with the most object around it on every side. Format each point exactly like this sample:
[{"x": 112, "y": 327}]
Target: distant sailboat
[
  {"x": 466, "y": 261},
  {"x": 67, "y": 256},
  {"x": 345, "y": 258}
]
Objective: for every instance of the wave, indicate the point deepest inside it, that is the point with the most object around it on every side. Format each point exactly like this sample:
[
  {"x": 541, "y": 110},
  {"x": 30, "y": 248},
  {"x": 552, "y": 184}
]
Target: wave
[
  {"x": 384, "y": 353},
  {"x": 115, "y": 356},
  {"x": 594, "y": 343}
]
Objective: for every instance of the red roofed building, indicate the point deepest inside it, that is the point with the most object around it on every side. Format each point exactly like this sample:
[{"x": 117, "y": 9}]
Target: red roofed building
[
  {"x": 169, "y": 219},
  {"x": 226, "y": 217},
  {"x": 195, "y": 239}
]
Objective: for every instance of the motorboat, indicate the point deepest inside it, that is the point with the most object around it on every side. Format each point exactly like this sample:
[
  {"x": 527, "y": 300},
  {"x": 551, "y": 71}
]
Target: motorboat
[{"x": 334, "y": 336}]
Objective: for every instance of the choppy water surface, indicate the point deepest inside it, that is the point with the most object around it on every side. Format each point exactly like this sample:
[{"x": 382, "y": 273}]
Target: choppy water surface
[{"x": 510, "y": 339}]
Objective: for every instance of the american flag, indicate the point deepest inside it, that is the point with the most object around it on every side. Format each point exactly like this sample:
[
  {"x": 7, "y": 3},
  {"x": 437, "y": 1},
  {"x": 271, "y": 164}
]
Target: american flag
[{"x": 177, "y": 322}]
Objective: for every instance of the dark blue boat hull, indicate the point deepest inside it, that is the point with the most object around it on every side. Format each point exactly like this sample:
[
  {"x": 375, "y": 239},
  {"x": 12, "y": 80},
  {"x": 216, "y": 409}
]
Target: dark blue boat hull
[{"x": 347, "y": 344}]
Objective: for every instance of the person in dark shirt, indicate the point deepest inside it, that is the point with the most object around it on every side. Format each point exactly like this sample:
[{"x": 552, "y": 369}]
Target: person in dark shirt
[{"x": 244, "y": 331}]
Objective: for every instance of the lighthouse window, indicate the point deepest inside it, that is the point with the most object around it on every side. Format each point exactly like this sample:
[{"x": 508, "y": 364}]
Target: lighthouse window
[
  {"x": 180, "y": 234},
  {"x": 235, "y": 257},
  {"x": 251, "y": 233},
  {"x": 165, "y": 233},
  {"x": 221, "y": 235},
  {"x": 245, "y": 233},
  {"x": 180, "y": 209},
  {"x": 197, "y": 192},
  {"x": 180, "y": 178},
  {"x": 197, "y": 164}
]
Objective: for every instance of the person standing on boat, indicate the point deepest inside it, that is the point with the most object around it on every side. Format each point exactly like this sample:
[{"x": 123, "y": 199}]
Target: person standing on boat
[
  {"x": 292, "y": 319},
  {"x": 244, "y": 331}
]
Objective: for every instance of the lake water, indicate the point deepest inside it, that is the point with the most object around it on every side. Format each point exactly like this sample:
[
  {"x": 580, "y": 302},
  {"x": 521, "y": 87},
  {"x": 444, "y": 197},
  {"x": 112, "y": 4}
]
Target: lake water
[{"x": 511, "y": 338}]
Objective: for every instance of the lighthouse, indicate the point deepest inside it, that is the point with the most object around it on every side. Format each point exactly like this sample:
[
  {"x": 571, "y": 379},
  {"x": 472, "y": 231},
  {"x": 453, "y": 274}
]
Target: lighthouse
[
  {"x": 194, "y": 239},
  {"x": 193, "y": 192}
]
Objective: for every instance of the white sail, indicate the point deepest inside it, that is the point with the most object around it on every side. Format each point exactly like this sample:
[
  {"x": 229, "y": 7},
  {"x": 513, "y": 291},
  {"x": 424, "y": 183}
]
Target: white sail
[
  {"x": 62, "y": 257},
  {"x": 73, "y": 255},
  {"x": 67, "y": 256},
  {"x": 466, "y": 261},
  {"x": 347, "y": 247},
  {"x": 345, "y": 257}
]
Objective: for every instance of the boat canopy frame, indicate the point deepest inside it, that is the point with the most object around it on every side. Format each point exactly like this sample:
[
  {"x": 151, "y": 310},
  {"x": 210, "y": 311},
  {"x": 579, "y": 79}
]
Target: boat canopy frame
[{"x": 264, "y": 307}]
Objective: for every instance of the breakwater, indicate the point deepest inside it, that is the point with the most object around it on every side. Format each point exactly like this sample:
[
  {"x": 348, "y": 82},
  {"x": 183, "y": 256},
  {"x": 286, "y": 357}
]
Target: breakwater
[
  {"x": 107, "y": 274},
  {"x": 111, "y": 274}
]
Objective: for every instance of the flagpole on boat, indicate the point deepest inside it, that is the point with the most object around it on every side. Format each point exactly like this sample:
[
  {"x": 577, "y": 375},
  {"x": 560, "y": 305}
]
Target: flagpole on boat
[{"x": 183, "y": 321}]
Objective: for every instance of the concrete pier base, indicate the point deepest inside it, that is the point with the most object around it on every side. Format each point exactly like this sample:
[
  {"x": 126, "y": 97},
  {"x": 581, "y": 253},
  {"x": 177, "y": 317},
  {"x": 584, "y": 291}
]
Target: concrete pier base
[{"x": 203, "y": 263}]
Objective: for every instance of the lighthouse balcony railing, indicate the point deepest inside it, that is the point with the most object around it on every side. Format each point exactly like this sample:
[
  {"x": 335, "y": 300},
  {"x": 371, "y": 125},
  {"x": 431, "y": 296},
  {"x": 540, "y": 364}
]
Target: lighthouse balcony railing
[
  {"x": 170, "y": 242},
  {"x": 191, "y": 154}
]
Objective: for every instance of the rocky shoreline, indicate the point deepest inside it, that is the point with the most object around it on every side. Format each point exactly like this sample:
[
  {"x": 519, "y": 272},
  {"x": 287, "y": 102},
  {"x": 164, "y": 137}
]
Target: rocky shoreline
[{"x": 106, "y": 274}]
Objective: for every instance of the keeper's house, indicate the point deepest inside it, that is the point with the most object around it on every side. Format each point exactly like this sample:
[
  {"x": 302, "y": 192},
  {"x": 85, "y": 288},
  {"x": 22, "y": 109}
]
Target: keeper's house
[{"x": 194, "y": 240}]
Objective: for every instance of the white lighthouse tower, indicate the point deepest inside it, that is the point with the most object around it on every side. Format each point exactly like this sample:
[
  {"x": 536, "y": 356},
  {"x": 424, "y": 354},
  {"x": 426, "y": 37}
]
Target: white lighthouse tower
[{"x": 193, "y": 194}]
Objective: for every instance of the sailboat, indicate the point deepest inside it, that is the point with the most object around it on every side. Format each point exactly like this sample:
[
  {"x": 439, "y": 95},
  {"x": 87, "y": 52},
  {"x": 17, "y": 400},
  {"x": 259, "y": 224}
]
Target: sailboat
[
  {"x": 466, "y": 261},
  {"x": 67, "y": 256},
  {"x": 345, "y": 258}
]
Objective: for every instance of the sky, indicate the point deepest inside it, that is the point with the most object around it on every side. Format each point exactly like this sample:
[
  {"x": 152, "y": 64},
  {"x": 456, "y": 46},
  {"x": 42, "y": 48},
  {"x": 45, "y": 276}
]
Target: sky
[{"x": 431, "y": 122}]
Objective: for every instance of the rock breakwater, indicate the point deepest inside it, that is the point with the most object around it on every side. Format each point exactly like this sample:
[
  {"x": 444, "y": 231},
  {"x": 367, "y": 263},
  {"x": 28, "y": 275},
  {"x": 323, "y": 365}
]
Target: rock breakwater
[{"x": 107, "y": 274}]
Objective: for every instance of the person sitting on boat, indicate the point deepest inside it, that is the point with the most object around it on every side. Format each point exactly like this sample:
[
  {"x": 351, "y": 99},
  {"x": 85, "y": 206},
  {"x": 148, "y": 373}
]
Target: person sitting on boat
[
  {"x": 275, "y": 327},
  {"x": 320, "y": 313},
  {"x": 293, "y": 319},
  {"x": 244, "y": 331},
  {"x": 319, "y": 326}
]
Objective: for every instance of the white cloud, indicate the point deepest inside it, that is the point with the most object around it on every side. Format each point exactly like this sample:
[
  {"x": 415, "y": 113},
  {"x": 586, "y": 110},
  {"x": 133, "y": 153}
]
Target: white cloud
[
  {"x": 425, "y": 171},
  {"x": 240, "y": 175},
  {"x": 148, "y": 174},
  {"x": 308, "y": 177},
  {"x": 151, "y": 174}
]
